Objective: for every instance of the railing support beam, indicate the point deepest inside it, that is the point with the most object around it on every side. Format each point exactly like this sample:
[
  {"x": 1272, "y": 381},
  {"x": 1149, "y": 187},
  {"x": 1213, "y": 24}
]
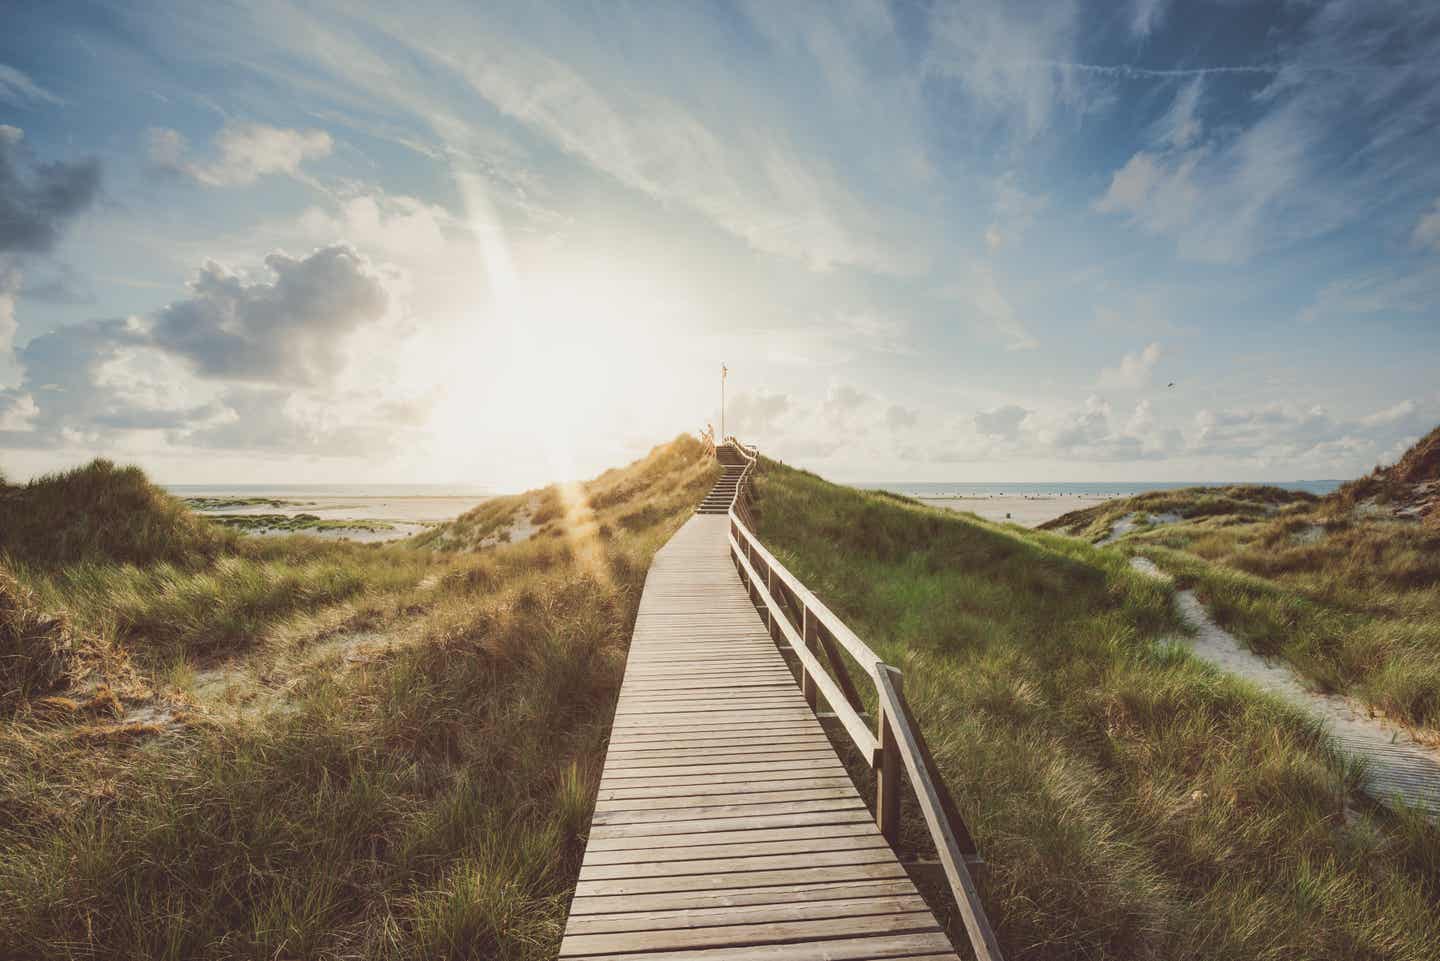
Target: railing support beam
[
  {"x": 887, "y": 772},
  {"x": 807, "y": 684}
]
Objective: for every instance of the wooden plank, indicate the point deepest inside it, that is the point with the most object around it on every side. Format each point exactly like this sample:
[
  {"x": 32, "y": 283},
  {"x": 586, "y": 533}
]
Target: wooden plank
[
  {"x": 740, "y": 879},
  {"x": 807, "y": 893},
  {"x": 875, "y": 948},
  {"x": 814, "y": 765},
  {"x": 579, "y": 945},
  {"x": 725, "y": 745},
  {"x": 748, "y": 914},
  {"x": 731, "y": 865},
  {"x": 716, "y": 760},
  {"x": 685, "y": 788},
  {"x": 740, "y": 849},
  {"x": 710, "y": 813},
  {"x": 859, "y": 815},
  {"x": 715, "y": 800},
  {"x": 775, "y": 781}
]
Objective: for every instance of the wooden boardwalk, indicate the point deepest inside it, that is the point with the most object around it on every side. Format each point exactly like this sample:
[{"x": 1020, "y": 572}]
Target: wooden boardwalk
[{"x": 726, "y": 828}]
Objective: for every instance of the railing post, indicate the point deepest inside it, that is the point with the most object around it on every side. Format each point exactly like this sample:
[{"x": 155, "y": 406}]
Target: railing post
[
  {"x": 887, "y": 771},
  {"x": 808, "y": 630},
  {"x": 775, "y": 634}
]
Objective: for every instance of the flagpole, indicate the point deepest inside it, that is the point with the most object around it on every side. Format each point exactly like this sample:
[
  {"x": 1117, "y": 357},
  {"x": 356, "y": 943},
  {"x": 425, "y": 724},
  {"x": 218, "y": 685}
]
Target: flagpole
[{"x": 723, "y": 372}]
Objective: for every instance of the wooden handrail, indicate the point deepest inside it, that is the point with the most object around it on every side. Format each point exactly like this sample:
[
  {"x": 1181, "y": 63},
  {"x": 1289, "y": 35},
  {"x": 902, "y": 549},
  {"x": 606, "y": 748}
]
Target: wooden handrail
[{"x": 896, "y": 741}]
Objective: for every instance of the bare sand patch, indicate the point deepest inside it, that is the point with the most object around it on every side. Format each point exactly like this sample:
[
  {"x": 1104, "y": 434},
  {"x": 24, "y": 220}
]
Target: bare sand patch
[{"x": 1397, "y": 765}]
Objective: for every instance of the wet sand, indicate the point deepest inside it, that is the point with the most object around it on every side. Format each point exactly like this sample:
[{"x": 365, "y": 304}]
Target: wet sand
[{"x": 1026, "y": 510}]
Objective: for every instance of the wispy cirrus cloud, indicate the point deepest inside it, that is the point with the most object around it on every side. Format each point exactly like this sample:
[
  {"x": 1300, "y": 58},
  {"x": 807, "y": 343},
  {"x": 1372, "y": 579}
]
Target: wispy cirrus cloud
[{"x": 18, "y": 89}]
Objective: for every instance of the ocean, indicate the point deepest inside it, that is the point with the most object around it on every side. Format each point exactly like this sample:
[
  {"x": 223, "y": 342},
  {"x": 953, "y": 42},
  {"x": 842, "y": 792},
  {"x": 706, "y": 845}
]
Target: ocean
[
  {"x": 1059, "y": 489},
  {"x": 330, "y": 490}
]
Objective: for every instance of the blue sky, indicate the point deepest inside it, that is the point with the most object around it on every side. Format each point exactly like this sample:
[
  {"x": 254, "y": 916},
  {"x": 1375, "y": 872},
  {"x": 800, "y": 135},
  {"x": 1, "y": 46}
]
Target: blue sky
[{"x": 498, "y": 243}]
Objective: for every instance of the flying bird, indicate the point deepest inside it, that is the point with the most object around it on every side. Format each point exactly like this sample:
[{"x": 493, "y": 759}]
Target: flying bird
[{"x": 1171, "y": 384}]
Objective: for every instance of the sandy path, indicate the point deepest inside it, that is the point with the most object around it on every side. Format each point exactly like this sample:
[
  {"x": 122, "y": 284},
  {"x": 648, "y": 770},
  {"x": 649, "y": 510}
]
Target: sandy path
[{"x": 1397, "y": 764}]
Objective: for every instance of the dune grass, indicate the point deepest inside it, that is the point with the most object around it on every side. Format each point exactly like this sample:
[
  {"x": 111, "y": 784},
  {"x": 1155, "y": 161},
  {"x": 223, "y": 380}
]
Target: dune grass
[
  {"x": 1131, "y": 802},
  {"x": 1349, "y": 596},
  {"x": 419, "y": 796},
  {"x": 101, "y": 512}
]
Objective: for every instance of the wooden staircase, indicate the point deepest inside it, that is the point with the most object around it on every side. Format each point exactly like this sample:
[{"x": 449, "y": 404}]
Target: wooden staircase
[{"x": 722, "y": 495}]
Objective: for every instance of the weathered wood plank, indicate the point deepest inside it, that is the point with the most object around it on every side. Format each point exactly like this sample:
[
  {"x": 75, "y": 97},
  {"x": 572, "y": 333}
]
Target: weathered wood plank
[
  {"x": 811, "y": 893},
  {"x": 748, "y": 934},
  {"x": 808, "y": 845},
  {"x": 841, "y": 949}
]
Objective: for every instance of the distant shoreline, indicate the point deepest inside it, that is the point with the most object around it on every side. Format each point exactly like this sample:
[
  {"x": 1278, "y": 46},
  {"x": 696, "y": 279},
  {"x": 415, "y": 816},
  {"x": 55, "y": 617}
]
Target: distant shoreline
[{"x": 1031, "y": 504}]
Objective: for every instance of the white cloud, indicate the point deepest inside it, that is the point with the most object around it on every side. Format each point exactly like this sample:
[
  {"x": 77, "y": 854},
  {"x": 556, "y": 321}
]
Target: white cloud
[
  {"x": 289, "y": 328},
  {"x": 992, "y": 309},
  {"x": 1352, "y": 72},
  {"x": 1181, "y": 126},
  {"x": 17, "y": 411},
  {"x": 1134, "y": 370},
  {"x": 1006, "y": 57},
  {"x": 1288, "y": 434},
  {"x": 10, "y": 278},
  {"x": 1015, "y": 211},
  {"x": 1390, "y": 415},
  {"x": 1002, "y": 422},
  {"x": 1427, "y": 229},
  {"x": 756, "y": 416},
  {"x": 1146, "y": 16},
  {"x": 19, "y": 90},
  {"x": 244, "y": 152},
  {"x": 752, "y": 182},
  {"x": 899, "y": 418},
  {"x": 845, "y": 406}
]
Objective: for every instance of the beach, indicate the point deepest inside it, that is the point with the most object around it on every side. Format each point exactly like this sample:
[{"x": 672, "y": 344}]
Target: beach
[
  {"x": 1028, "y": 510},
  {"x": 376, "y": 517}
]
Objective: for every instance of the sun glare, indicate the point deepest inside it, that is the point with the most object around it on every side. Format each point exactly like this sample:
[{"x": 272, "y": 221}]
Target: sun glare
[{"x": 564, "y": 349}]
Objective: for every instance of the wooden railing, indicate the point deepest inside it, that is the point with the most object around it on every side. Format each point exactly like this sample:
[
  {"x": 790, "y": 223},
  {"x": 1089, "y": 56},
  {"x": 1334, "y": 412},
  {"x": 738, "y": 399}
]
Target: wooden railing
[
  {"x": 740, "y": 500},
  {"x": 797, "y": 619}
]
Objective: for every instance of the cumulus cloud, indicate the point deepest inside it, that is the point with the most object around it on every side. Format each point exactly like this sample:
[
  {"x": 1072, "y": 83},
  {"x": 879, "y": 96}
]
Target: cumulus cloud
[
  {"x": 1002, "y": 422},
  {"x": 282, "y": 421},
  {"x": 1296, "y": 434},
  {"x": 9, "y": 287},
  {"x": 1134, "y": 370},
  {"x": 243, "y": 153},
  {"x": 756, "y": 413},
  {"x": 68, "y": 389},
  {"x": 289, "y": 329},
  {"x": 38, "y": 200},
  {"x": 245, "y": 362},
  {"x": 844, "y": 406},
  {"x": 899, "y": 418}
]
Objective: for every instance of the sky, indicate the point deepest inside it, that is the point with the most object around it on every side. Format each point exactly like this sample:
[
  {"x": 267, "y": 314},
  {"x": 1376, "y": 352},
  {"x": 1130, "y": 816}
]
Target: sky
[{"x": 502, "y": 244}]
